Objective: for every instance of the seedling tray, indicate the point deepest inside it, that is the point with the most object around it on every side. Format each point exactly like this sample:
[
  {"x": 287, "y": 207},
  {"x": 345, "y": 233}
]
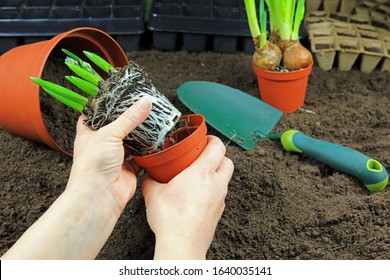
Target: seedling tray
[
  {"x": 347, "y": 41},
  {"x": 198, "y": 25},
  {"x": 23, "y": 20}
]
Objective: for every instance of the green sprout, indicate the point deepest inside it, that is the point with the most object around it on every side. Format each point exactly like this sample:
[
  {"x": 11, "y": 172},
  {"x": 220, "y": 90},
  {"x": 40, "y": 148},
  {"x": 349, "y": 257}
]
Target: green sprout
[
  {"x": 299, "y": 14},
  {"x": 263, "y": 24},
  {"x": 101, "y": 62},
  {"x": 259, "y": 33},
  {"x": 62, "y": 94},
  {"x": 84, "y": 85},
  {"x": 252, "y": 21},
  {"x": 74, "y": 59},
  {"x": 286, "y": 17},
  {"x": 87, "y": 81},
  {"x": 283, "y": 44},
  {"x": 85, "y": 74}
]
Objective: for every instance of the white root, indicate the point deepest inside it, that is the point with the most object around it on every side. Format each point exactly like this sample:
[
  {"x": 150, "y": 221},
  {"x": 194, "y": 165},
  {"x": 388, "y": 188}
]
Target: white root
[{"x": 122, "y": 90}]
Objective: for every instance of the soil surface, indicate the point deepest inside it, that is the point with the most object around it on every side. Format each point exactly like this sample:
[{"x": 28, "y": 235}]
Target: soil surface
[{"x": 279, "y": 206}]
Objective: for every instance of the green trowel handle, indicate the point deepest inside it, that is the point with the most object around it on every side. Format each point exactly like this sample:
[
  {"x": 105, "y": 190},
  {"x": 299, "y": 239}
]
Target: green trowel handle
[{"x": 373, "y": 175}]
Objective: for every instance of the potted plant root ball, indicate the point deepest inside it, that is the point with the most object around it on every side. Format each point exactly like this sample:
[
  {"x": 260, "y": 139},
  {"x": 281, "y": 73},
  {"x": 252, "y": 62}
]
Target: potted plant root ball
[
  {"x": 159, "y": 143},
  {"x": 281, "y": 63}
]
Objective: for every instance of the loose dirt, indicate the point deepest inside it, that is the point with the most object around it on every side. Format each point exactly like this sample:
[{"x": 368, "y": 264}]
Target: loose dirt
[{"x": 279, "y": 206}]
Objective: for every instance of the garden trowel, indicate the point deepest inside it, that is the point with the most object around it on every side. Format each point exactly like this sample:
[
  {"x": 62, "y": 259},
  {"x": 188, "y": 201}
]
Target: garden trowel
[{"x": 246, "y": 119}]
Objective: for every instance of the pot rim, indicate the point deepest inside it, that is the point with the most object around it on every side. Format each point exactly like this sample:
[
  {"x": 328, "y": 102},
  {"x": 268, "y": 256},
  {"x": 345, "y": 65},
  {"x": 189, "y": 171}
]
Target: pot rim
[
  {"x": 275, "y": 75},
  {"x": 180, "y": 147}
]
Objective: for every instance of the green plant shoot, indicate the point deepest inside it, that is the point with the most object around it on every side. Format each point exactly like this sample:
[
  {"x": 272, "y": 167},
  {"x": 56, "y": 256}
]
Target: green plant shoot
[
  {"x": 282, "y": 17},
  {"x": 62, "y": 94},
  {"x": 84, "y": 85},
  {"x": 85, "y": 74},
  {"x": 74, "y": 105},
  {"x": 252, "y": 21},
  {"x": 101, "y": 62},
  {"x": 263, "y": 24},
  {"x": 286, "y": 17},
  {"x": 299, "y": 14},
  {"x": 60, "y": 90},
  {"x": 283, "y": 45},
  {"x": 88, "y": 82},
  {"x": 74, "y": 59}
]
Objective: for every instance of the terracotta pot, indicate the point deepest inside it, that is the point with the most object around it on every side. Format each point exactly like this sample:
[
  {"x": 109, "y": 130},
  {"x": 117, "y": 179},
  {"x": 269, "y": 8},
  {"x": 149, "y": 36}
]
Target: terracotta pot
[
  {"x": 184, "y": 146},
  {"x": 20, "y": 112},
  {"x": 285, "y": 91}
]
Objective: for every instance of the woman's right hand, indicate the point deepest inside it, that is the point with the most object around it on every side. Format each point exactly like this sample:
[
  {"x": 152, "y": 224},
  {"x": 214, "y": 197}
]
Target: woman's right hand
[{"x": 184, "y": 213}]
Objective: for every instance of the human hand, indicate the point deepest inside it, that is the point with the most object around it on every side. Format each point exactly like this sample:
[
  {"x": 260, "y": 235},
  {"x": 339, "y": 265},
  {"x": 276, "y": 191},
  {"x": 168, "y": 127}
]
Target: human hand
[
  {"x": 99, "y": 167},
  {"x": 184, "y": 213},
  {"x": 81, "y": 219}
]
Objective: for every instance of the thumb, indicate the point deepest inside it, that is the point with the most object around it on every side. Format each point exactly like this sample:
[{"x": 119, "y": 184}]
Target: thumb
[
  {"x": 80, "y": 126},
  {"x": 131, "y": 118}
]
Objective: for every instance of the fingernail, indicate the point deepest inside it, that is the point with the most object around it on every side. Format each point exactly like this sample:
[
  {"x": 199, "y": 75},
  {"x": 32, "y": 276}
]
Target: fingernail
[{"x": 144, "y": 103}]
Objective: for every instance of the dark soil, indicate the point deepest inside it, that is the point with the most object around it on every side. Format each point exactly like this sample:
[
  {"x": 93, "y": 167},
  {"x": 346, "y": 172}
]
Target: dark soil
[
  {"x": 279, "y": 206},
  {"x": 59, "y": 119}
]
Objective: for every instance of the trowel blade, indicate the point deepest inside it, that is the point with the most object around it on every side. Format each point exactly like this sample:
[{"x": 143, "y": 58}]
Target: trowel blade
[{"x": 236, "y": 114}]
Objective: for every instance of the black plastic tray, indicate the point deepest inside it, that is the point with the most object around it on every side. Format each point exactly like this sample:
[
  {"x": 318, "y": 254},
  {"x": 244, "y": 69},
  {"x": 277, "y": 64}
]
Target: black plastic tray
[
  {"x": 25, "y": 21},
  {"x": 198, "y": 25}
]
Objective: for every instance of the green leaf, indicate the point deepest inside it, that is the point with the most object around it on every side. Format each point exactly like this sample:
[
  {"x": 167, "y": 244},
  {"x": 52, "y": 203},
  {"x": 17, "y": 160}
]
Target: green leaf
[
  {"x": 281, "y": 13},
  {"x": 84, "y": 85},
  {"x": 263, "y": 24},
  {"x": 299, "y": 14},
  {"x": 262, "y": 8},
  {"x": 72, "y": 55},
  {"x": 74, "y": 105},
  {"x": 86, "y": 75},
  {"x": 101, "y": 62},
  {"x": 60, "y": 91},
  {"x": 250, "y": 8},
  {"x": 271, "y": 10},
  {"x": 78, "y": 61}
]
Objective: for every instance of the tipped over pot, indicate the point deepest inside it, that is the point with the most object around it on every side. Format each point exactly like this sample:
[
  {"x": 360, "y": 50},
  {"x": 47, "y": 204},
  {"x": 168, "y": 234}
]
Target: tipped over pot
[{"x": 20, "y": 112}]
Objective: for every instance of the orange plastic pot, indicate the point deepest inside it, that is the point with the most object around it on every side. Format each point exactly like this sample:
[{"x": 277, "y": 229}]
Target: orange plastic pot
[
  {"x": 20, "y": 112},
  {"x": 180, "y": 151},
  {"x": 285, "y": 91}
]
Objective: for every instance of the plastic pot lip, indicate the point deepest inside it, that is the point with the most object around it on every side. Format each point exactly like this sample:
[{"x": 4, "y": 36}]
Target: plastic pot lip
[
  {"x": 180, "y": 148},
  {"x": 82, "y": 33},
  {"x": 282, "y": 76},
  {"x": 90, "y": 34}
]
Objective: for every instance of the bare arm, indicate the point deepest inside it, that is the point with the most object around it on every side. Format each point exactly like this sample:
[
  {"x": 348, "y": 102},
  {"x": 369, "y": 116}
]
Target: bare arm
[{"x": 80, "y": 221}]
